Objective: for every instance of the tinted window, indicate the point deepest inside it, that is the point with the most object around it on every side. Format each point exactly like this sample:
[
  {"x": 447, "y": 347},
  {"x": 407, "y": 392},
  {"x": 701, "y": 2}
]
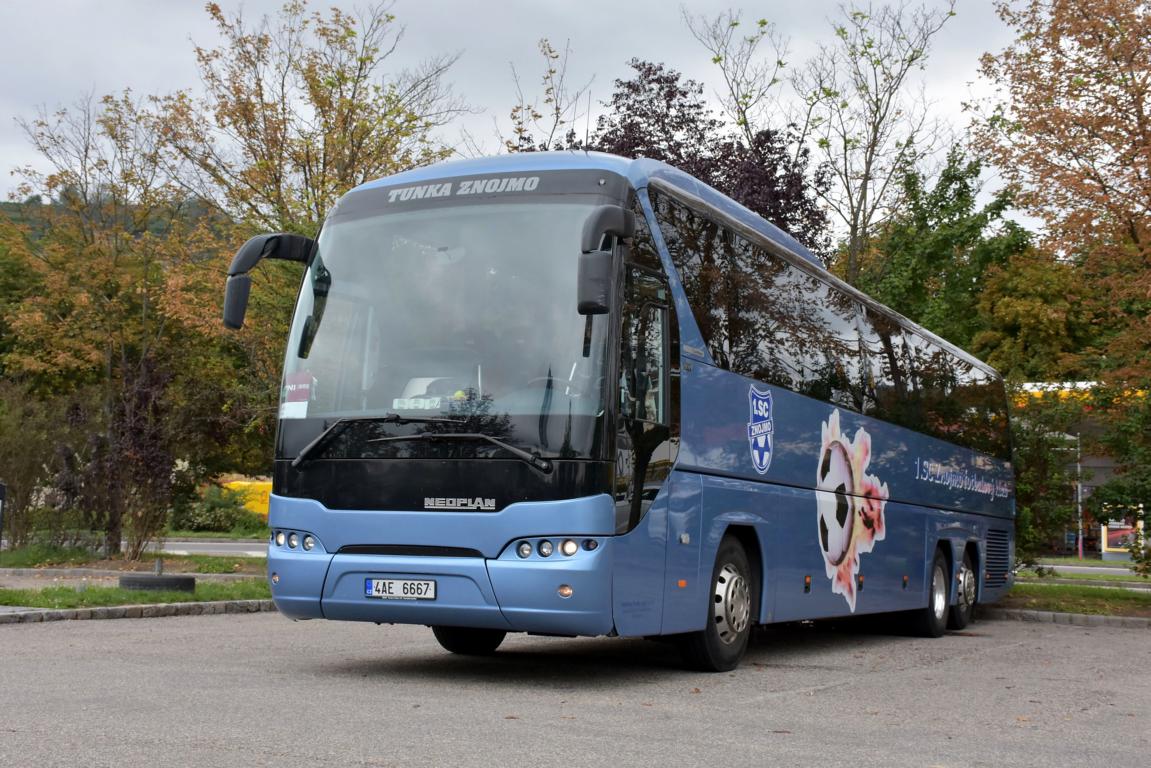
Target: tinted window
[
  {"x": 915, "y": 383},
  {"x": 761, "y": 316},
  {"x": 765, "y": 318}
]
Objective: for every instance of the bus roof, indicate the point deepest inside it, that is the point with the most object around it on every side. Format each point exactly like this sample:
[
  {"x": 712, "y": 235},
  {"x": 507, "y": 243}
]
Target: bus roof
[{"x": 638, "y": 172}]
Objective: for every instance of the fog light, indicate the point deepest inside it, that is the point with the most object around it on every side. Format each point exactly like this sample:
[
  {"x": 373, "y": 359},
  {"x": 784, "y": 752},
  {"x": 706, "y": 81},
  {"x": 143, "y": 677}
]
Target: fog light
[
  {"x": 279, "y": 538},
  {"x": 293, "y": 540},
  {"x": 590, "y": 544},
  {"x": 569, "y": 547},
  {"x": 524, "y": 549},
  {"x": 309, "y": 542},
  {"x": 564, "y": 591},
  {"x": 275, "y": 578},
  {"x": 545, "y": 548}
]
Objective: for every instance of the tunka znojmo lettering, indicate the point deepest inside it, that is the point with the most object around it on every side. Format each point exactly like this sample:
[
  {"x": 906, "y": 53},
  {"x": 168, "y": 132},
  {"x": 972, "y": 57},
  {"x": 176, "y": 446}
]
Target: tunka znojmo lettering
[{"x": 466, "y": 187}]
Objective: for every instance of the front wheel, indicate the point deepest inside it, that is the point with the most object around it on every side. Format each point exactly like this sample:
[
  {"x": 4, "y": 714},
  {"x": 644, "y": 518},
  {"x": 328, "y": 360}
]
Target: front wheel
[
  {"x": 720, "y": 645},
  {"x": 963, "y": 612},
  {"x": 931, "y": 621},
  {"x": 469, "y": 641}
]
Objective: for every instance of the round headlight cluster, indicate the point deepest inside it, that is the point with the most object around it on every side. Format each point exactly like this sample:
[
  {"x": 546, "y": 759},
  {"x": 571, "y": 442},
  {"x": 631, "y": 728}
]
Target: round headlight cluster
[
  {"x": 293, "y": 540},
  {"x": 545, "y": 548}
]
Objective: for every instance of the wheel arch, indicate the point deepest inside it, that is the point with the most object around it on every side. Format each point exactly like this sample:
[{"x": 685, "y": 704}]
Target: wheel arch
[{"x": 748, "y": 537}]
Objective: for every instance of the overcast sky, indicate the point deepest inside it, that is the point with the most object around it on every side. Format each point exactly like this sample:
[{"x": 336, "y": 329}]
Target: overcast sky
[{"x": 52, "y": 52}]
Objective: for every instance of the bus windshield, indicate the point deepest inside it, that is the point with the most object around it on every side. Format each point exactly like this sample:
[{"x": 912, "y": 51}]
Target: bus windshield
[{"x": 462, "y": 312}]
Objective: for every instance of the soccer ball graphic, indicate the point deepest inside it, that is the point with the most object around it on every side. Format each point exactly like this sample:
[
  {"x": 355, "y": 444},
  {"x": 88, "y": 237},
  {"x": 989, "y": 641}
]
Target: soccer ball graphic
[{"x": 835, "y": 502}]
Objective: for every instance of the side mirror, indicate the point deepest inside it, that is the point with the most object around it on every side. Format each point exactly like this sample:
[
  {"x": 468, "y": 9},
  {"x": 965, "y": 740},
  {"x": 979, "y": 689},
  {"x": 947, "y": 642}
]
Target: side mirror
[
  {"x": 595, "y": 265},
  {"x": 595, "y": 270},
  {"x": 280, "y": 245},
  {"x": 236, "y": 292}
]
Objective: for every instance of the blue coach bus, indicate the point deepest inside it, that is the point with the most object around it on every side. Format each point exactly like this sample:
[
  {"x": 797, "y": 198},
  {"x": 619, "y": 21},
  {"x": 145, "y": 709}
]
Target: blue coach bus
[{"x": 573, "y": 394}]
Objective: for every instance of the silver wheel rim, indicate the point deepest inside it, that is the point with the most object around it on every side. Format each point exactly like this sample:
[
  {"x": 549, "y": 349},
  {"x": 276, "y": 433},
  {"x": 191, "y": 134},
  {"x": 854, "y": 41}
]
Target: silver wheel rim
[
  {"x": 966, "y": 587},
  {"x": 732, "y": 604},
  {"x": 938, "y": 592}
]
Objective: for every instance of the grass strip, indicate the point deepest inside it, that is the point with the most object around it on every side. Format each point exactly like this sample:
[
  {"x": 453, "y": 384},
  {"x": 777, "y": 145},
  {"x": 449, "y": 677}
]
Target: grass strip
[
  {"x": 1058, "y": 574},
  {"x": 1072, "y": 598},
  {"x": 43, "y": 555},
  {"x": 1088, "y": 562},
  {"x": 259, "y": 535},
  {"x": 94, "y": 597},
  {"x": 39, "y": 556}
]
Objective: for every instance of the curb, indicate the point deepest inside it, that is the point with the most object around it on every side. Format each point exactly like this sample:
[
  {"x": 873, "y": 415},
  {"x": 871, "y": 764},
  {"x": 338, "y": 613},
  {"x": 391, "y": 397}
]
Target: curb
[
  {"x": 79, "y": 573},
  {"x": 1072, "y": 619},
  {"x": 36, "y": 615}
]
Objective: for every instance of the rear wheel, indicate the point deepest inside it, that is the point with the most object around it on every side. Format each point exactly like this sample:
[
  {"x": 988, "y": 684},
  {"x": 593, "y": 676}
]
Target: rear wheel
[
  {"x": 963, "y": 612},
  {"x": 722, "y": 643},
  {"x": 931, "y": 621},
  {"x": 469, "y": 641}
]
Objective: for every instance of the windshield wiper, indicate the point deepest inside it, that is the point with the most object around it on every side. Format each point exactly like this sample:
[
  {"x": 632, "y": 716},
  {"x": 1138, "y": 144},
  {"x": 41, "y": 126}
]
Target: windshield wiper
[
  {"x": 536, "y": 462},
  {"x": 339, "y": 425}
]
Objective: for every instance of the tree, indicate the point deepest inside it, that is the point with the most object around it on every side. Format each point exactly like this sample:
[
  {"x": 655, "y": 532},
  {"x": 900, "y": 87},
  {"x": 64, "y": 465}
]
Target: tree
[
  {"x": 865, "y": 123},
  {"x": 1032, "y": 318},
  {"x": 1070, "y": 126},
  {"x": 297, "y": 110},
  {"x": 930, "y": 261},
  {"x": 659, "y": 115},
  {"x": 547, "y": 122},
  {"x": 96, "y": 330}
]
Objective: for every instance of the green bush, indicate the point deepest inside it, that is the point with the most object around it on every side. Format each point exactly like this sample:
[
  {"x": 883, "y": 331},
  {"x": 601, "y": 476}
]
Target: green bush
[{"x": 217, "y": 509}]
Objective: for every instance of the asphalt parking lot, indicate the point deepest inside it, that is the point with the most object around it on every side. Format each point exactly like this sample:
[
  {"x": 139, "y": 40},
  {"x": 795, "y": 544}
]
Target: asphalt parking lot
[{"x": 259, "y": 690}]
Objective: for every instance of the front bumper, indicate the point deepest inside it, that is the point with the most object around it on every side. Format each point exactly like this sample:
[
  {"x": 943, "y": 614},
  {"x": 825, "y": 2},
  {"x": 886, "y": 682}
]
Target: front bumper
[{"x": 494, "y": 590}]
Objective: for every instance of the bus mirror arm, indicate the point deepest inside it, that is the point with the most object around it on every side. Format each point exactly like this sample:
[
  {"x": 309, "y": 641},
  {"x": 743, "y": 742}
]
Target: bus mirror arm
[
  {"x": 606, "y": 220},
  {"x": 280, "y": 245}
]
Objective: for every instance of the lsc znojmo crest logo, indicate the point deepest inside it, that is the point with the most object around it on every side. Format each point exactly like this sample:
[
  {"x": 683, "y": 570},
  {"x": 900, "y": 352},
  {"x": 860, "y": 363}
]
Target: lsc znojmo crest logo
[{"x": 760, "y": 428}]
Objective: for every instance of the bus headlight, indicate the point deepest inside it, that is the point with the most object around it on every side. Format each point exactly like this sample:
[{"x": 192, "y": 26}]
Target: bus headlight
[
  {"x": 545, "y": 548},
  {"x": 279, "y": 538},
  {"x": 293, "y": 540},
  {"x": 569, "y": 547},
  {"x": 309, "y": 543},
  {"x": 524, "y": 549}
]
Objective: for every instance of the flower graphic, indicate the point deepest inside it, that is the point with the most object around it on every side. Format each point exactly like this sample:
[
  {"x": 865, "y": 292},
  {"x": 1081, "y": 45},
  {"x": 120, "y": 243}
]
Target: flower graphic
[{"x": 849, "y": 504}]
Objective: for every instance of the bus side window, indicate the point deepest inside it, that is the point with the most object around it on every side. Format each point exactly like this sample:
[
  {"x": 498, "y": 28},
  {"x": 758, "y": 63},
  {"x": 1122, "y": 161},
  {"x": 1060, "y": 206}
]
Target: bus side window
[{"x": 643, "y": 353}]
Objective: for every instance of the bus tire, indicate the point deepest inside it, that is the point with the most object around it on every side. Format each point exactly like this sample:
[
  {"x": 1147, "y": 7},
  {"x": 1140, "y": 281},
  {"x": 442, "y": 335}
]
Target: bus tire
[
  {"x": 469, "y": 641},
  {"x": 931, "y": 620},
  {"x": 963, "y": 612},
  {"x": 720, "y": 645}
]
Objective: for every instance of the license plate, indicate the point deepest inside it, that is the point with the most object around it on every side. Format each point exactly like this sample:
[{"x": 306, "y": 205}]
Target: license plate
[{"x": 400, "y": 589}]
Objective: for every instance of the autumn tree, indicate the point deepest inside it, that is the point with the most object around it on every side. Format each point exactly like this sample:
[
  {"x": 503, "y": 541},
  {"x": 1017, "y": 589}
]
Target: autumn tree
[
  {"x": 96, "y": 333},
  {"x": 299, "y": 108},
  {"x": 1070, "y": 126}
]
